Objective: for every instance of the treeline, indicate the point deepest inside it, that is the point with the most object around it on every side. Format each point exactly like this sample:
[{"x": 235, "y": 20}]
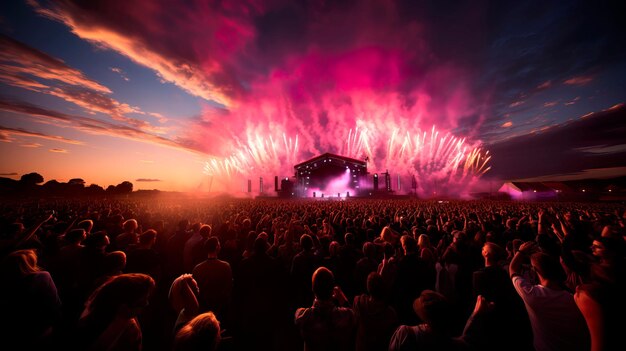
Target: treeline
[{"x": 32, "y": 184}]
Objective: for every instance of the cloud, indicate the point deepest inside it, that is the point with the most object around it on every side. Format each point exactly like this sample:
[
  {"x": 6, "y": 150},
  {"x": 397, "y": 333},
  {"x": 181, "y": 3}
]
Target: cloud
[
  {"x": 615, "y": 107},
  {"x": 21, "y": 59},
  {"x": 527, "y": 51},
  {"x": 603, "y": 149},
  {"x": 580, "y": 80},
  {"x": 102, "y": 24},
  {"x": 507, "y": 124},
  {"x": 31, "y": 145},
  {"x": 18, "y": 61},
  {"x": 120, "y": 72},
  {"x": 6, "y": 134},
  {"x": 596, "y": 141},
  {"x": 84, "y": 124},
  {"x": 593, "y": 173},
  {"x": 96, "y": 102},
  {"x": 327, "y": 71},
  {"x": 147, "y": 180},
  {"x": 573, "y": 101},
  {"x": 545, "y": 85},
  {"x": 58, "y": 151},
  {"x": 550, "y": 104},
  {"x": 17, "y": 80},
  {"x": 517, "y": 103},
  {"x": 8, "y": 174},
  {"x": 280, "y": 68},
  {"x": 158, "y": 116}
]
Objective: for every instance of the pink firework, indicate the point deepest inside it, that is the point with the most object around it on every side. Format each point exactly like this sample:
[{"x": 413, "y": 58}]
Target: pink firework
[{"x": 441, "y": 164}]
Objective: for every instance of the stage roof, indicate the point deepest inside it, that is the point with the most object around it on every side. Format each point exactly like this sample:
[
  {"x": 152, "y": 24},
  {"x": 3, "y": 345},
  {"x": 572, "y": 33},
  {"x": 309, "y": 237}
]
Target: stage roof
[{"x": 331, "y": 156}]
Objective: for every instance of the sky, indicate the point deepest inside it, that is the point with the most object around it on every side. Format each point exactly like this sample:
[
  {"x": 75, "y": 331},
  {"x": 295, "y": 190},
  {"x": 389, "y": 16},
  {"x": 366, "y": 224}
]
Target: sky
[{"x": 194, "y": 95}]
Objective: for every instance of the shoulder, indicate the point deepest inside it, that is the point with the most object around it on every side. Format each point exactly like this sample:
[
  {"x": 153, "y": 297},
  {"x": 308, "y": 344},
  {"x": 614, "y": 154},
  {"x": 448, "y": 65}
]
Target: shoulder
[
  {"x": 223, "y": 263},
  {"x": 200, "y": 267},
  {"x": 404, "y": 338},
  {"x": 344, "y": 311},
  {"x": 524, "y": 287},
  {"x": 303, "y": 314},
  {"x": 42, "y": 278},
  {"x": 344, "y": 317}
]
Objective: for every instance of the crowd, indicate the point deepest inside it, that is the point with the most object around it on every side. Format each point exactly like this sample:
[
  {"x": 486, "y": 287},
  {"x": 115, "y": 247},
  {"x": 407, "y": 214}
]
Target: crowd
[{"x": 319, "y": 275}]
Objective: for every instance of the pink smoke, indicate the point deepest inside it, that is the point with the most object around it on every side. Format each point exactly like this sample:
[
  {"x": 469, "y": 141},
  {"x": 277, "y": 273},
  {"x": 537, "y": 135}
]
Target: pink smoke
[{"x": 340, "y": 77}]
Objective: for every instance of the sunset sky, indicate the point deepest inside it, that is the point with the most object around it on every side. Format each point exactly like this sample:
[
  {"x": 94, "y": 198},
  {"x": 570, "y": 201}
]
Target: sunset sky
[{"x": 148, "y": 91}]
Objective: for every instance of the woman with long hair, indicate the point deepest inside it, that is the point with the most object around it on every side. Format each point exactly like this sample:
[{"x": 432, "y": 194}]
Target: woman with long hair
[{"x": 109, "y": 320}]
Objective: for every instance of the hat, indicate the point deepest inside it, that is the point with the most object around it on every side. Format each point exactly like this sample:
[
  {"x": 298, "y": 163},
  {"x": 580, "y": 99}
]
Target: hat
[{"x": 432, "y": 308}]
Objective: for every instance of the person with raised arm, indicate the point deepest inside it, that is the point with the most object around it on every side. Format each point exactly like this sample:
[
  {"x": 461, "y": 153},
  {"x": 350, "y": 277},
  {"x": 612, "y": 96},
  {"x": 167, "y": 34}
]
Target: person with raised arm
[{"x": 556, "y": 322}]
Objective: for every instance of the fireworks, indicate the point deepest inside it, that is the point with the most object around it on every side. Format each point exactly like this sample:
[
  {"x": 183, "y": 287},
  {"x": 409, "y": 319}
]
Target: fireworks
[
  {"x": 258, "y": 156},
  {"x": 440, "y": 163}
]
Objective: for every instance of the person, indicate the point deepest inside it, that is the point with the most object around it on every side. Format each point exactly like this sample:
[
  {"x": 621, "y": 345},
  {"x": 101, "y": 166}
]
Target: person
[
  {"x": 556, "y": 322},
  {"x": 29, "y": 301},
  {"x": 603, "y": 308},
  {"x": 366, "y": 265},
  {"x": 201, "y": 334},
  {"x": 109, "y": 320},
  {"x": 387, "y": 235},
  {"x": 174, "y": 249},
  {"x": 349, "y": 255},
  {"x": 388, "y": 267},
  {"x": 19, "y": 237},
  {"x": 302, "y": 266},
  {"x": 413, "y": 277},
  {"x": 129, "y": 238},
  {"x": 434, "y": 333},
  {"x": 376, "y": 320},
  {"x": 600, "y": 299},
  {"x": 426, "y": 250},
  {"x": 199, "y": 250},
  {"x": 65, "y": 265},
  {"x": 508, "y": 320},
  {"x": 215, "y": 280},
  {"x": 258, "y": 287},
  {"x": 324, "y": 325},
  {"x": 145, "y": 259},
  {"x": 86, "y": 225},
  {"x": 200, "y": 232},
  {"x": 183, "y": 299}
]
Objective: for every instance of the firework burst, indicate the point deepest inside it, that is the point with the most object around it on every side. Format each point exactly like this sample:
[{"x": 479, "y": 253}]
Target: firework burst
[{"x": 439, "y": 162}]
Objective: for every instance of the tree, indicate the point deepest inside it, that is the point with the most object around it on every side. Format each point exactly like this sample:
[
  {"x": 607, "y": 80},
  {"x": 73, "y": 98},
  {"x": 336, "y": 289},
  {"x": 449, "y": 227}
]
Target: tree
[
  {"x": 94, "y": 189},
  {"x": 124, "y": 187},
  {"x": 76, "y": 181},
  {"x": 31, "y": 179},
  {"x": 75, "y": 186},
  {"x": 52, "y": 187}
]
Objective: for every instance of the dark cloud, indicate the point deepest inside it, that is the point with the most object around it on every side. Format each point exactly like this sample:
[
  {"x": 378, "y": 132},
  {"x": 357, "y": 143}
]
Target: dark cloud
[
  {"x": 147, "y": 180},
  {"x": 23, "y": 60},
  {"x": 84, "y": 124},
  {"x": 595, "y": 141},
  {"x": 6, "y": 133},
  {"x": 58, "y": 151},
  {"x": 8, "y": 174},
  {"x": 19, "y": 62},
  {"x": 535, "y": 42}
]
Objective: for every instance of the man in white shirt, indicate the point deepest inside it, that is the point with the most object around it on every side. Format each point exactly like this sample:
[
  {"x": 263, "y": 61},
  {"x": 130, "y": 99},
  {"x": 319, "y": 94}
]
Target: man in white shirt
[{"x": 556, "y": 321}]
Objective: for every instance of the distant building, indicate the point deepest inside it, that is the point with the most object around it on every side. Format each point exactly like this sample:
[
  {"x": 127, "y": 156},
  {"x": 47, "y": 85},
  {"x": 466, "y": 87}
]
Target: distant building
[{"x": 613, "y": 189}]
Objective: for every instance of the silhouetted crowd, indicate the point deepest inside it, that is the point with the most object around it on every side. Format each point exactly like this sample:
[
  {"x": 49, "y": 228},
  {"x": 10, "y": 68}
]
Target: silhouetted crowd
[{"x": 164, "y": 274}]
